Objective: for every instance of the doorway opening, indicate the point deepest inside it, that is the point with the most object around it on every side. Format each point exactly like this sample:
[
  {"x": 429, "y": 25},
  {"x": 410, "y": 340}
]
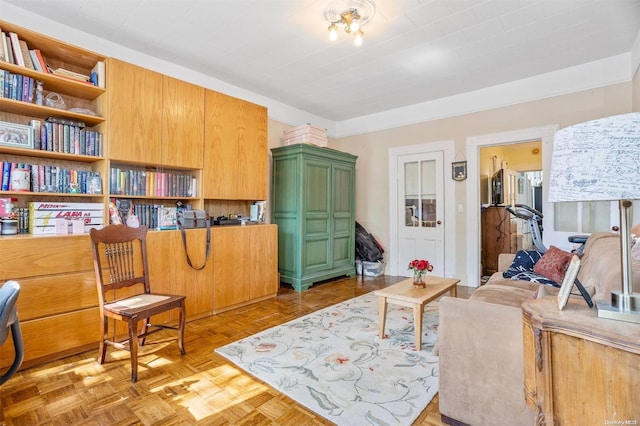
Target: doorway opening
[
  {"x": 543, "y": 135},
  {"x": 510, "y": 174}
]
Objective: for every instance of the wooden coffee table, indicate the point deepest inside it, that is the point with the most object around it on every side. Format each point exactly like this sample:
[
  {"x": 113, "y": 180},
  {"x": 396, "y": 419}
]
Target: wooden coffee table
[{"x": 404, "y": 294}]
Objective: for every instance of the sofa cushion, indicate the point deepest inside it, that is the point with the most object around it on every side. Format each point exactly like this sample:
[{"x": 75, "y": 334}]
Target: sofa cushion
[
  {"x": 523, "y": 261},
  {"x": 502, "y": 295},
  {"x": 553, "y": 264}
]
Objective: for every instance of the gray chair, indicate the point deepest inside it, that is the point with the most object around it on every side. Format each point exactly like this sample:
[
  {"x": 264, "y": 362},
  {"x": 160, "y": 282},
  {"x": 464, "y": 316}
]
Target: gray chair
[{"x": 9, "y": 320}]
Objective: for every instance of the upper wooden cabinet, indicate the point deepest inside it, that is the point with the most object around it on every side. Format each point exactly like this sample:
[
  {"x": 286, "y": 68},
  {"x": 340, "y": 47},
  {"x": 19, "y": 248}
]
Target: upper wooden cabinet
[
  {"x": 236, "y": 157},
  {"x": 153, "y": 118},
  {"x": 182, "y": 124},
  {"x": 135, "y": 97}
]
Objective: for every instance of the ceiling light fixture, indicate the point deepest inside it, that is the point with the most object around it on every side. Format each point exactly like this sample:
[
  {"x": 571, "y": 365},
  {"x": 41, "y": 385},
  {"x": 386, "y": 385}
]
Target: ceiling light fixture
[{"x": 351, "y": 15}]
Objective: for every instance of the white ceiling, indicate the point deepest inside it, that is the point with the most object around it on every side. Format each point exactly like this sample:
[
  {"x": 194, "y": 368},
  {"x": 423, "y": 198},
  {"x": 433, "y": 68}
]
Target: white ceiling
[{"x": 414, "y": 50}]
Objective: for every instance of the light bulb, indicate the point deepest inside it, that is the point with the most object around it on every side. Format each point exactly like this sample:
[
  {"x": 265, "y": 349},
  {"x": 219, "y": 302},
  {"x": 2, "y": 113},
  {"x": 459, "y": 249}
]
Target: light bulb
[
  {"x": 333, "y": 32},
  {"x": 358, "y": 40},
  {"x": 354, "y": 26}
]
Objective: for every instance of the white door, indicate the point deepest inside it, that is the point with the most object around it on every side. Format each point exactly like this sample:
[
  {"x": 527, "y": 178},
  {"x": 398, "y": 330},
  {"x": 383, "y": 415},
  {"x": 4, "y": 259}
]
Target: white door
[{"x": 420, "y": 210}]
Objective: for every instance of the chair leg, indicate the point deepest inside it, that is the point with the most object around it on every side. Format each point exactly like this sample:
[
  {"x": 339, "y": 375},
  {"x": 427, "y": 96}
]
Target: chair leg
[
  {"x": 143, "y": 331},
  {"x": 102, "y": 350},
  {"x": 133, "y": 349},
  {"x": 18, "y": 345},
  {"x": 181, "y": 329}
]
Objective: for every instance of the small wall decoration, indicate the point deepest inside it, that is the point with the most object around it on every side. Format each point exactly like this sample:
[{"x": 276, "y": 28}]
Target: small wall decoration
[
  {"x": 17, "y": 135},
  {"x": 459, "y": 170}
]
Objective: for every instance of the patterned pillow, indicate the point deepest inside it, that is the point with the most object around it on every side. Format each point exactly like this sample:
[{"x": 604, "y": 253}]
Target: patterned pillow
[
  {"x": 553, "y": 264},
  {"x": 536, "y": 278},
  {"x": 523, "y": 262}
]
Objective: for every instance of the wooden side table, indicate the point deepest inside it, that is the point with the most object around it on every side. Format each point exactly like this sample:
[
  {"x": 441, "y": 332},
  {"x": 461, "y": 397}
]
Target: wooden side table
[
  {"x": 404, "y": 294},
  {"x": 580, "y": 369}
]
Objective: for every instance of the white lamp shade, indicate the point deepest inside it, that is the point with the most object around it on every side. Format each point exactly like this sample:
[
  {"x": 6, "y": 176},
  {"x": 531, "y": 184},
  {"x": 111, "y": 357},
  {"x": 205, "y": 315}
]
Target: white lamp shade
[{"x": 597, "y": 160}]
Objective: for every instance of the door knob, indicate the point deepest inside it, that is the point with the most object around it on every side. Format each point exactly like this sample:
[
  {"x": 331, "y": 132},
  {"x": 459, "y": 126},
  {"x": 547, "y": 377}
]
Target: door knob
[{"x": 439, "y": 222}]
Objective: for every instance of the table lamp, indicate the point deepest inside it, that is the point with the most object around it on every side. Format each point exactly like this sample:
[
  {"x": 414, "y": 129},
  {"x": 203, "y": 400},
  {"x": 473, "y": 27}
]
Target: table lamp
[{"x": 599, "y": 160}]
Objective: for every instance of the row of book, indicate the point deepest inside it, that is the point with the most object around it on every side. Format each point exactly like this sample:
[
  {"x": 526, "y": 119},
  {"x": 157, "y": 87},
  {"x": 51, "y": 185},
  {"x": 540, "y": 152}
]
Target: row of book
[
  {"x": 155, "y": 216},
  {"x": 149, "y": 183},
  {"x": 47, "y": 178},
  {"x": 14, "y": 50},
  {"x": 17, "y": 87},
  {"x": 58, "y": 135}
]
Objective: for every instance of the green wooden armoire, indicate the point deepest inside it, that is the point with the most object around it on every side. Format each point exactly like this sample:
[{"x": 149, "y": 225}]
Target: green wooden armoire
[{"x": 313, "y": 204}]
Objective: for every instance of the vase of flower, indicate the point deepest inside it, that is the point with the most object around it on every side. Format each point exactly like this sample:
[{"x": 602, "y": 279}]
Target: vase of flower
[{"x": 420, "y": 268}]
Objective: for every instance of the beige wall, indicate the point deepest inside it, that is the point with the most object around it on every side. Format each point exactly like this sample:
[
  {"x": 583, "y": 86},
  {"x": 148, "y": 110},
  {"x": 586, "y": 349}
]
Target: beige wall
[{"x": 372, "y": 188}]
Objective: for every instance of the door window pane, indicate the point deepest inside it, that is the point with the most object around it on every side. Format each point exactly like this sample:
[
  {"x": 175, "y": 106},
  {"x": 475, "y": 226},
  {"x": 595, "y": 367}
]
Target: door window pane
[{"x": 420, "y": 193}]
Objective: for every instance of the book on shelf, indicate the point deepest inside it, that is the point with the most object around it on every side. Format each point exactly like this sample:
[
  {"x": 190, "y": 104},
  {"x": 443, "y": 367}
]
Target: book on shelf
[
  {"x": 98, "y": 74},
  {"x": 34, "y": 60},
  {"x": 3, "y": 47},
  {"x": 26, "y": 58},
  {"x": 17, "y": 51},
  {"x": 9, "y": 54},
  {"x": 6, "y": 175},
  {"x": 71, "y": 74},
  {"x": 167, "y": 217},
  {"x": 41, "y": 61}
]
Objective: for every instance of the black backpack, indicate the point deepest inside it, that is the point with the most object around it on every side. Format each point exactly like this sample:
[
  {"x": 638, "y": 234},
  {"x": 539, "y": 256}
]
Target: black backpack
[{"x": 367, "y": 248}]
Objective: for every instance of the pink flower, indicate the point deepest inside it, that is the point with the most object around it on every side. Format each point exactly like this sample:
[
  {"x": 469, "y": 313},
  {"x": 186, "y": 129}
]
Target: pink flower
[{"x": 420, "y": 266}]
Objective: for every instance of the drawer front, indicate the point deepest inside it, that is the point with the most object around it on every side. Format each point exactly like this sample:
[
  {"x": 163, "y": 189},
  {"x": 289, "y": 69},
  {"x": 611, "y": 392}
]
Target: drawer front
[{"x": 45, "y": 337}]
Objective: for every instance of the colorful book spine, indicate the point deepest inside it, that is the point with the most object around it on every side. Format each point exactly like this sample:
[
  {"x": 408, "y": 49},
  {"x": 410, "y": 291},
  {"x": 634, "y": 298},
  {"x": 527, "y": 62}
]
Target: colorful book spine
[{"x": 6, "y": 175}]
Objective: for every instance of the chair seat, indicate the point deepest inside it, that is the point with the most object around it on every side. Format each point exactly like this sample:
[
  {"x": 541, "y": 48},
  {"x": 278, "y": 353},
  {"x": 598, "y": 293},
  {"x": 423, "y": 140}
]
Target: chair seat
[{"x": 133, "y": 305}]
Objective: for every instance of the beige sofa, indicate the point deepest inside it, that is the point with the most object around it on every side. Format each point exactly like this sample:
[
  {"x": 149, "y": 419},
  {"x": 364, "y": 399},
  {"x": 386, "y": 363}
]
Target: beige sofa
[{"x": 480, "y": 339}]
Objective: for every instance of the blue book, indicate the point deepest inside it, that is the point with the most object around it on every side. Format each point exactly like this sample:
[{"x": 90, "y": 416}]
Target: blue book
[{"x": 6, "y": 175}]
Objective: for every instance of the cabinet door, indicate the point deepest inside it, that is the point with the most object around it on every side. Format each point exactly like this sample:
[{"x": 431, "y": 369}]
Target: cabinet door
[
  {"x": 182, "y": 124},
  {"x": 170, "y": 273},
  {"x": 235, "y": 166},
  {"x": 135, "y": 97},
  {"x": 245, "y": 264},
  {"x": 316, "y": 214},
  {"x": 343, "y": 211}
]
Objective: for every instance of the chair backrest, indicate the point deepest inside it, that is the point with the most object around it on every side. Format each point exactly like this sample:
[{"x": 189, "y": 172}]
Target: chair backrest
[
  {"x": 119, "y": 259},
  {"x": 8, "y": 311}
]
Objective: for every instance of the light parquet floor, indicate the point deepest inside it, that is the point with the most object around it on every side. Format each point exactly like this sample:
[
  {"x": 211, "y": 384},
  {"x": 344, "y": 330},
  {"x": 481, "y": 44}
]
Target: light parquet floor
[{"x": 200, "y": 387}]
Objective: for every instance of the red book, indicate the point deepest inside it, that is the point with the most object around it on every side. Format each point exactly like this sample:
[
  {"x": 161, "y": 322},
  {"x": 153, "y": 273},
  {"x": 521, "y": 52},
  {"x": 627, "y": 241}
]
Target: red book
[{"x": 43, "y": 64}]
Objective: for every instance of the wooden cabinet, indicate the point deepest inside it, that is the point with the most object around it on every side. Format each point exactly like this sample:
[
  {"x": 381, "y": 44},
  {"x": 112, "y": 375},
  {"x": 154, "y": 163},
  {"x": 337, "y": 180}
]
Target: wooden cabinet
[
  {"x": 182, "y": 124},
  {"x": 313, "y": 204},
  {"x": 154, "y": 119},
  {"x": 245, "y": 266},
  {"x": 170, "y": 273},
  {"x": 235, "y": 149},
  {"x": 134, "y": 102},
  {"x": 499, "y": 235},
  {"x": 150, "y": 122},
  {"x": 58, "y": 302},
  {"x": 580, "y": 369}
]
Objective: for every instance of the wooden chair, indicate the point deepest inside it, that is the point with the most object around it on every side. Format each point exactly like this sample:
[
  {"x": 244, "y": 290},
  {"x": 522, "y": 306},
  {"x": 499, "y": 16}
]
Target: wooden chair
[{"x": 124, "y": 292}]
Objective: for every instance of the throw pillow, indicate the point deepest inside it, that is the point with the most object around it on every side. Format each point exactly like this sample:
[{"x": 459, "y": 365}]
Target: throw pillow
[
  {"x": 553, "y": 264},
  {"x": 534, "y": 278},
  {"x": 522, "y": 262}
]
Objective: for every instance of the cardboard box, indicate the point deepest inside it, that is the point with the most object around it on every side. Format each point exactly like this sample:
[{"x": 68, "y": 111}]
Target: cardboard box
[
  {"x": 306, "y": 133},
  {"x": 42, "y": 216}
]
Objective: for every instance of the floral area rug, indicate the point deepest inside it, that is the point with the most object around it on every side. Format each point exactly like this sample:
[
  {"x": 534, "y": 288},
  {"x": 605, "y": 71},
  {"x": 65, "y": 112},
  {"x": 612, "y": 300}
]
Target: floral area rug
[{"x": 333, "y": 362}]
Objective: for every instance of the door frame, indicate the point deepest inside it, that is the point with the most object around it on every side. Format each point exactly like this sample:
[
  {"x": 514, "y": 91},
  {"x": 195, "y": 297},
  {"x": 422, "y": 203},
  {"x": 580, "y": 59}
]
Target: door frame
[
  {"x": 447, "y": 148},
  {"x": 474, "y": 143}
]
